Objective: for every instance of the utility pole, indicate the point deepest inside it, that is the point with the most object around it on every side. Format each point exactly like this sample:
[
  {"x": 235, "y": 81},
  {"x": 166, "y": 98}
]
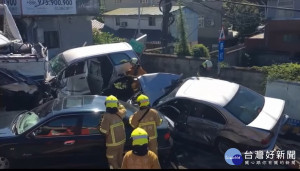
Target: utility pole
[
  {"x": 139, "y": 19},
  {"x": 166, "y": 8}
]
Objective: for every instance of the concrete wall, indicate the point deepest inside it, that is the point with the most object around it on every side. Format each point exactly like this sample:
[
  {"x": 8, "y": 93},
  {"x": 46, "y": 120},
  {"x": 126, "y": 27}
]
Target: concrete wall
[
  {"x": 73, "y": 31},
  {"x": 288, "y": 91},
  {"x": 252, "y": 79},
  {"x": 171, "y": 64}
]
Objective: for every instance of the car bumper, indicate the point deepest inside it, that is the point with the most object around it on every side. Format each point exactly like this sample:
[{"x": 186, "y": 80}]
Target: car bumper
[{"x": 276, "y": 132}]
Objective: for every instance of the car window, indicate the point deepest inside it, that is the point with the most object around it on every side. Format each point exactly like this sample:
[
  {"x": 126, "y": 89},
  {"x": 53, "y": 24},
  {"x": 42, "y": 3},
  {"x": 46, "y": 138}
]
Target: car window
[
  {"x": 4, "y": 79},
  {"x": 208, "y": 113},
  {"x": 246, "y": 105},
  {"x": 119, "y": 58},
  {"x": 75, "y": 69},
  {"x": 90, "y": 124},
  {"x": 183, "y": 106},
  {"x": 57, "y": 63},
  {"x": 63, "y": 126}
]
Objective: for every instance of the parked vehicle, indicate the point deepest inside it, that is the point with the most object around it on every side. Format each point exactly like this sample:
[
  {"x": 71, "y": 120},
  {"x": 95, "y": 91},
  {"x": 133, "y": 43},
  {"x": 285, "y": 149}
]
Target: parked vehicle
[
  {"x": 89, "y": 69},
  {"x": 18, "y": 92},
  {"x": 64, "y": 133},
  {"x": 215, "y": 112}
]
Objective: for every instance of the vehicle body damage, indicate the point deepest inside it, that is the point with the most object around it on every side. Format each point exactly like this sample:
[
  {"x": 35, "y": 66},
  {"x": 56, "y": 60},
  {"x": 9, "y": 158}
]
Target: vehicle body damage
[
  {"x": 64, "y": 133},
  {"x": 18, "y": 91},
  {"x": 89, "y": 69},
  {"x": 215, "y": 112}
]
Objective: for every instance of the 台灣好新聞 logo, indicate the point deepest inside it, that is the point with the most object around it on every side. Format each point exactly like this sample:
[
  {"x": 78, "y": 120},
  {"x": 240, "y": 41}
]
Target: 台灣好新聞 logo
[{"x": 233, "y": 156}]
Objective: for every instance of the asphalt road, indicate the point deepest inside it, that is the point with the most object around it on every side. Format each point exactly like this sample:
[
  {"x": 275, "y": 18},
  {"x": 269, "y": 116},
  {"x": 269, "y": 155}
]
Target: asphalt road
[{"x": 199, "y": 156}]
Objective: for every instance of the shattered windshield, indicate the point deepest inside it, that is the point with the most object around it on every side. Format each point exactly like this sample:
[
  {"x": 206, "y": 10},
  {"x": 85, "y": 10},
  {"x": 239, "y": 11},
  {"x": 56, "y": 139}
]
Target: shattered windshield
[{"x": 57, "y": 64}]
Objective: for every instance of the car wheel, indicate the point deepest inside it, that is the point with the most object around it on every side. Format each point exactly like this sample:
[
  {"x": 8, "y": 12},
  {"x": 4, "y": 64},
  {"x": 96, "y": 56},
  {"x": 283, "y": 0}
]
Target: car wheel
[
  {"x": 223, "y": 145},
  {"x": 4, "y": 163}
]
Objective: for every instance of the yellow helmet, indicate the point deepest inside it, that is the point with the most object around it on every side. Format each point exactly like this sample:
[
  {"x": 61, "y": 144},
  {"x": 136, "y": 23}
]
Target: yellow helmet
[
  {"x": 143, "y": 100},
  {"x": 111, "y": 101},
  {"x": 139, "y": 136}
]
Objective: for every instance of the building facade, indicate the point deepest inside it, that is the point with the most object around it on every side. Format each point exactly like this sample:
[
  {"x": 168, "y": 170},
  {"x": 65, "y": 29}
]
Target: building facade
[
  {"x": 151, "y": 20},
  {"x": 59, "y": 25},
  {"x": 282, "y": 33},
  {"x": 209, "y": 15}
]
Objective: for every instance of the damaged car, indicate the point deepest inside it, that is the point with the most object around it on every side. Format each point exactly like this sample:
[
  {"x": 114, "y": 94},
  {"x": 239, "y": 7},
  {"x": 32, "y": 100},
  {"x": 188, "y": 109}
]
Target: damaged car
[
  {"x": 64, "y": 133},
  {"x": 215, "y": 112},
  {"x": 18, "y": 92},
  {"x": 89, "y": 69}
]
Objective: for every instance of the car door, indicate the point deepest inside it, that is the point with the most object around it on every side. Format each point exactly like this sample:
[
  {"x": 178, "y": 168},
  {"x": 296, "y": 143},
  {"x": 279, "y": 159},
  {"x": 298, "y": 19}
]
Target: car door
[
  {"x": 90, "y": 143},
  {"x": 177, "y": 111},
  {"x": 94, "y": 77},
  {"x": 74, "y": 79},
  {"x": 52, "y": 143},
  {"x": 204, "y": 123}
]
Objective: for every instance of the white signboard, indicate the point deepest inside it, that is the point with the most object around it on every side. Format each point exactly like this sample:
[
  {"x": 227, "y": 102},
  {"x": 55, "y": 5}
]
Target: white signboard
[
  {"x": 14, "y": 6},
  {"x": 49, "y": 7}
]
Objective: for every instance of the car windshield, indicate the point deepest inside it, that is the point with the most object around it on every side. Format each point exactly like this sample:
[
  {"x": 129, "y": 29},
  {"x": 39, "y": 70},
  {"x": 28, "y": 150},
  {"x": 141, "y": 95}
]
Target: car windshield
[
  {"x": 29, "y": 119},
  {"x": 57, "y": 64},
  {"x": 246, "y": 105}
]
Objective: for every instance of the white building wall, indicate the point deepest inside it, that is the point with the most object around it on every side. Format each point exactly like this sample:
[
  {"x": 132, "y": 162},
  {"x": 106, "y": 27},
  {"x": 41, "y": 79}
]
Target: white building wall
[
  {"x": 132, "y": 22},
  {"x": 191, "y": 25},
  {"x": 73, "y": 31}
]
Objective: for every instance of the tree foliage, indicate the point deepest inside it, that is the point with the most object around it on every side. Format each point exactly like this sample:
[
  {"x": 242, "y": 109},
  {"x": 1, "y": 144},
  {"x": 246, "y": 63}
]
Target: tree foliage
[
  {"x": 182, "y": 47},
  {"x": 242, "y": 18},
  {"x": 105, "y": 37},
  {"x": 199, "y": 50}
]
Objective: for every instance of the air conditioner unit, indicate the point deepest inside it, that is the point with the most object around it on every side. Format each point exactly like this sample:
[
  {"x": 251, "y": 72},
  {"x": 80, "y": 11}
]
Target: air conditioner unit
[{"x": 123, "y": 24}]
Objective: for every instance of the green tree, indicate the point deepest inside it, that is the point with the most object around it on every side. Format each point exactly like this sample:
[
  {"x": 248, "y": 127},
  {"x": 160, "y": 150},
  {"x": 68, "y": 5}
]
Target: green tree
[
  {"x": 182, "y": 47},
  {"x": 242, "y": 18},
  {"x": 200, "y": 50},
  {"x": 105, "y": 37}
]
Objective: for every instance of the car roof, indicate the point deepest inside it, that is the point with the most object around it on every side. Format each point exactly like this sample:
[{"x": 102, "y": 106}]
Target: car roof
[
  {"x": 212, "y": 90},
  {"x": 93, "y": 50},
  {"x": 82, "y": 103}
]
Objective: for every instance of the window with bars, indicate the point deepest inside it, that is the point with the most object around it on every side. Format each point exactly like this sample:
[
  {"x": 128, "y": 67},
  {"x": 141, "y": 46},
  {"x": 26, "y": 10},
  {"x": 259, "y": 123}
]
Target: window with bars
[
  {"x": 201, "y": 22},
  {"x": 51, "y": 39}
]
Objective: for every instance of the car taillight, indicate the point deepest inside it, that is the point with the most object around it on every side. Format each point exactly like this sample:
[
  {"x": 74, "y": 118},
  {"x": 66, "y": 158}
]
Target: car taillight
[
  {"x": 266, "y": 140},
  {"x": 167, "y": 136}
]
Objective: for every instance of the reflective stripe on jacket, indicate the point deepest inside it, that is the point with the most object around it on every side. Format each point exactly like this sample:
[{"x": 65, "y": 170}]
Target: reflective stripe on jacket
[
  {"x": 113, "y": 127},
  {"x": 150, "y": 121}
]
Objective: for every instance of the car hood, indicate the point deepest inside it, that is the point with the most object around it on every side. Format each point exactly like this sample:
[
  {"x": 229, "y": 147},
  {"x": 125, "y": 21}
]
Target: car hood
[
  {"x": 270, "y": 114},
  {"x": 154, "y": 85},
  {"x": 6, "y": 132}
]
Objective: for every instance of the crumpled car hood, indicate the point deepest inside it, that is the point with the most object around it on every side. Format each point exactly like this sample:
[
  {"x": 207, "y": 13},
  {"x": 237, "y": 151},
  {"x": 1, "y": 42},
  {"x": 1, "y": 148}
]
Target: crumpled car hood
[{"x": 154, "y": 85}]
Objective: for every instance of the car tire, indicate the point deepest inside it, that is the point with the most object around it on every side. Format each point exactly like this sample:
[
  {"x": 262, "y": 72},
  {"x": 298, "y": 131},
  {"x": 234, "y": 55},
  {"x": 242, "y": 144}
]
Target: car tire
[
  {"x": 4, "y": 163},
  {"x": 223, "y": 145}
]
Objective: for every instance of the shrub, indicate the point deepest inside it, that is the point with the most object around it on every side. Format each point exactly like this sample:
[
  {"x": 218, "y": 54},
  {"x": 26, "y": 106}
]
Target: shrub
[
  {"x": 287, "y": 71},
  {"x": 105, "y": 37},
  {"x": 200, "y": 50}
]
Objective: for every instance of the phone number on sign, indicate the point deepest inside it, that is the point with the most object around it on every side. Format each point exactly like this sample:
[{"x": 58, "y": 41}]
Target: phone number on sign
[{"x": 53, "y": 2}]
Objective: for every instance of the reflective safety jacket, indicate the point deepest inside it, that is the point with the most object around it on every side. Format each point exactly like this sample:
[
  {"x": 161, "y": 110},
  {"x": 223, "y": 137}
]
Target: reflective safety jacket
[
  {"x": 113, "y": 127},
  {"x": 150, "y": 121},
  {"x": 148, "y": 161}
]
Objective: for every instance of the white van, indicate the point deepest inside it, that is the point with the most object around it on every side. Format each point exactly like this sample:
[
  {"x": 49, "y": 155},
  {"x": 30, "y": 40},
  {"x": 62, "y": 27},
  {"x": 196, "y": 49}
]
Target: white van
[{"x": 89, "y": 69}]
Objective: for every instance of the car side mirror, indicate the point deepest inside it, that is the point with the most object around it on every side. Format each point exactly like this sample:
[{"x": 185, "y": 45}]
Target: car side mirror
[{"x": 32, "y": 135}]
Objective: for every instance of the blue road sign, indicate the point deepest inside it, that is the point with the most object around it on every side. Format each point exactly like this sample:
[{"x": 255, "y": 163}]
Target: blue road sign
[{"x": 221, "y": 51}]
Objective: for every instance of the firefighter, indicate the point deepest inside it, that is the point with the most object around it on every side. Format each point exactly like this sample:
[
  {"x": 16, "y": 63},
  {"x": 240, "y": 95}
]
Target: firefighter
[
  {"x": 148, "y": 119},
  {"x": 205, "y": 68},
  {"x": 113, "y": 127},
  {"x": 140, "y": 157},
  {"x": 135, "y": 71}
]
